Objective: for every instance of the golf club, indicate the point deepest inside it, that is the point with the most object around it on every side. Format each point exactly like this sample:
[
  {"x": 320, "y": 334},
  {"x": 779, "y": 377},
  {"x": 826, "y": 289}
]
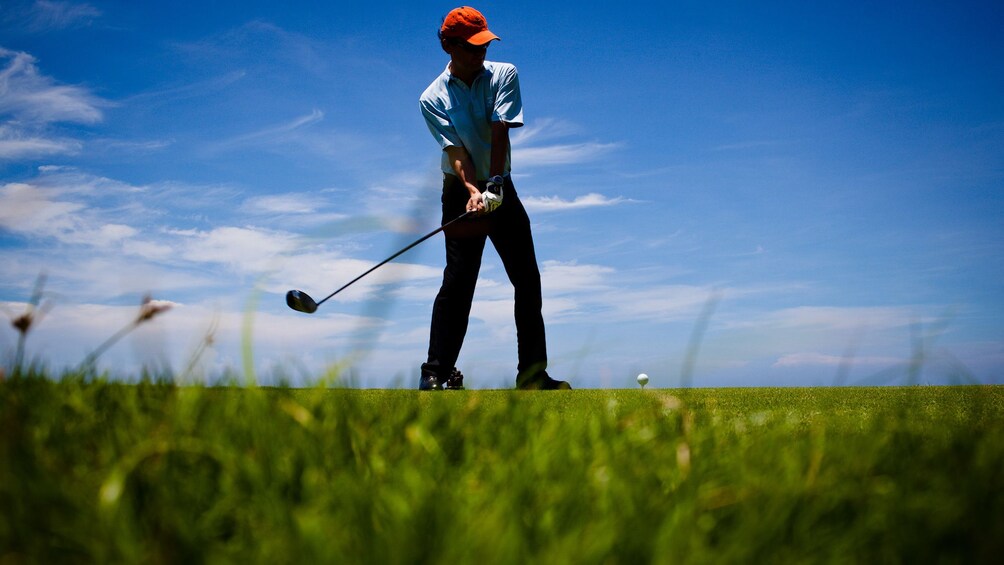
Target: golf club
[{"x": 302, "y": 302}]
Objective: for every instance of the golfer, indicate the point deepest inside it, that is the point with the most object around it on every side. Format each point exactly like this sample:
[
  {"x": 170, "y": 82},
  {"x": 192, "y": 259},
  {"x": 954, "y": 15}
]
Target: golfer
[{"x": 469, "y": 109}]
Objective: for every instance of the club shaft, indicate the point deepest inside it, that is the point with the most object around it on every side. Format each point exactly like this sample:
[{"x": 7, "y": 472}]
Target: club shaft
[{"x": 395, "y": 256}]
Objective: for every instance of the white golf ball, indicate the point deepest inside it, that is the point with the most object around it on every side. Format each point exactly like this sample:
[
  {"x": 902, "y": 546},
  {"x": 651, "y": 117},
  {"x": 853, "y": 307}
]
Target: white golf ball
[{"x": 643, "y": 379}]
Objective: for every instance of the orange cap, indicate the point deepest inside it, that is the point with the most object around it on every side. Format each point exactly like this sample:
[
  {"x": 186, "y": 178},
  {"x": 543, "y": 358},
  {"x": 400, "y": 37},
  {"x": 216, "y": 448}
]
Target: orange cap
[{"x": 468, "y": 24}]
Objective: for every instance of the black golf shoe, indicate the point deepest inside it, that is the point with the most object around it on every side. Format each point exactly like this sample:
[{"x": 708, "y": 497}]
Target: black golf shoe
[
  {"x": 455, "y": 380},
  {"x": 542, "y": 381},
  {"x": 429, "y": 381}
]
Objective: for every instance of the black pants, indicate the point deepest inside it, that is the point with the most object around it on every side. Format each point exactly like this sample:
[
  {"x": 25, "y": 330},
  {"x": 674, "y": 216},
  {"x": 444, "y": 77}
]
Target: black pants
[{"x": 508, "y": 227}]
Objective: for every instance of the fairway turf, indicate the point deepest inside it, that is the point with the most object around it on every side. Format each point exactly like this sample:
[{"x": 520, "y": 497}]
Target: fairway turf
[{"x": 99, "y": 472}]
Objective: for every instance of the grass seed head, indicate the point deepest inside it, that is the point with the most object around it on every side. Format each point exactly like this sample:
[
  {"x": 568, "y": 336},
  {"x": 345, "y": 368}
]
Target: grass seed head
[
  {"x": 35, "y": 310},
  {"x": 151, "y": 308},
  {"x": 23, "y": 322}
]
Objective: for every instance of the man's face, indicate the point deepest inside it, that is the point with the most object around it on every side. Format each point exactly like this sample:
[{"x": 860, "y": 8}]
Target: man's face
[{"x": 464, "y": 57}]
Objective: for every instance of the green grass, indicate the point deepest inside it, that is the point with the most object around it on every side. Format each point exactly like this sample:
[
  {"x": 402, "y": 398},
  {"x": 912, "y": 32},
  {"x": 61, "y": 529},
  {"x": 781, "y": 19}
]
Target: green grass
[{"x": 102, "y": 472}]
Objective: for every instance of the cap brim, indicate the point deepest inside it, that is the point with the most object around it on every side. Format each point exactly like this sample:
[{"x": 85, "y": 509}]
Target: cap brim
[{"x": 482, "y": 37}]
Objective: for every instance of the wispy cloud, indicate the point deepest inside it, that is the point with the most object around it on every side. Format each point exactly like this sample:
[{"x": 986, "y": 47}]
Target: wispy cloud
[
  {"x": 567, "y": 154},
  {"x": 194, "y": 89},
  {"x": 824, "y": 360},
  {"x": 744, "y": 145},
  {"x": 286, "y": 203},
  {"x": 270, "y": 134},
  {"x": 251, "y": 43},
  {"x": 29, "y": 96},
  {"x": 574, "y": 291},
  {"x": 541, "y": 130},
  {"x": 529, "y": 151},
  {"x": 31, "y": 102},
  {"x": 137, "y": 147},
  {"x": 47, "y": 15},
  {"x": 312, "y": 211},
  {"x": 560, "y": 277},
  {"x": 663, "y": 303},
  {"x": 555, "y": 203},
  {"x": 15, "y": 144},
  {"x": 841, "y": 318}
]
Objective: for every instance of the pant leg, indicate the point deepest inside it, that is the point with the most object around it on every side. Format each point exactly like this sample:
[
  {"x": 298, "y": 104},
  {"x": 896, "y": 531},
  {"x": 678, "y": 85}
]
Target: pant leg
[
  {"x": 513, "y": 240},
  {"x": 452, "y": 307}
]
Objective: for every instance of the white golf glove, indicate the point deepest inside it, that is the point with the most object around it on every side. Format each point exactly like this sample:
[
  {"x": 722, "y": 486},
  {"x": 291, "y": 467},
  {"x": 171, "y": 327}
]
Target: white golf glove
[{"x": 491, "y": 198}]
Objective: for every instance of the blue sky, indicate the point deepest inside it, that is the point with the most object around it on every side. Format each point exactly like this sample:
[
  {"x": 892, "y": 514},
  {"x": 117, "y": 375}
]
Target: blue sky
[{"x": 816, "y": 188}]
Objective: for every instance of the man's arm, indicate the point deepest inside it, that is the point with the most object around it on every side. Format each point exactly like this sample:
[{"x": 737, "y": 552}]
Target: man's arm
[
  {"x": 463, "y": 166},
  {"x": 500, "y": 148}
]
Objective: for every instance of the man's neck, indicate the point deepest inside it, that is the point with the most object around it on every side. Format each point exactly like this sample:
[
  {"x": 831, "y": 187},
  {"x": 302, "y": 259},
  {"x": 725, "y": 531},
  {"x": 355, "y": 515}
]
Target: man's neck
[{"x": 466, "y": 76}]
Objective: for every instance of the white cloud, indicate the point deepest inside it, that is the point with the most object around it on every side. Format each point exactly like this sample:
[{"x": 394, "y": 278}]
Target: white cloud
[
  {"x": 567, "y": 154},
  {"x": 30, "y": 102},
  {"x": 541, "y": 130},
  {"x": 841, "y": 318},
  {"x": 15, "y": 144},
  {"x": 69, "y": 180},
  {"x": 561, "y": 277},
  {"x": 150, "y": 250},
  {"x": 38, "y": 212},
  {"x": 574, "y": 292},
  {"x": 70, "y": 331},
  {"x": 309, "y": 208},
  {"x": 663, "y": 303},
  {"x": 555, "y": 203},
  {"x": 249, "y": 250},
  {"x": 33, "y": 98},
  {"x": 542, "y": 155},
  {"x": 823, "y": 360},
  {"x": 75, "y": 277},
  {"x": 499, "y": 318},
  {"x": 558, "y": 280},
  {"x": 28, "y": 210},
  {"x": 136, "y": 147},
  {"x": 105, "y": 235},
  {"x": 286, "y": 203}
]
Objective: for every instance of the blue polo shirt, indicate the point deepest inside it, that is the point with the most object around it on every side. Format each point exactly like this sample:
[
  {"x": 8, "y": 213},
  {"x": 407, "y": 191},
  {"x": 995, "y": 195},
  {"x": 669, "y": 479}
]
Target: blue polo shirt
[{"x": 461, "y": 116}]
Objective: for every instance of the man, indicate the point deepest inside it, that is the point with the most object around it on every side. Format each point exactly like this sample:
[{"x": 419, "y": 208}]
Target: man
[{"x": 469, "y": 110}]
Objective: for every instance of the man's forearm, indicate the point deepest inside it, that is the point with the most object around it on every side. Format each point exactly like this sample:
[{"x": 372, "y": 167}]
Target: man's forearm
[
  {"x": 500, "y": 148},
  {"x": 463, "y": 167}
]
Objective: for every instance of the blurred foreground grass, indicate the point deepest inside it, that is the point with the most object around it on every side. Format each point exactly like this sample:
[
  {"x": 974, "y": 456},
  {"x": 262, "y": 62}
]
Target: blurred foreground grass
[{"x": 102, "y": 472}]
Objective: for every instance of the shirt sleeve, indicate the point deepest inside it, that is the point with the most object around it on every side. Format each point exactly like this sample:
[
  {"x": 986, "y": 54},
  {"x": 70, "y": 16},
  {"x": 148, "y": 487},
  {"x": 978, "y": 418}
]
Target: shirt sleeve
[
  {"x": 508, "y": 102},
  {"x": 439, "y": 124}
]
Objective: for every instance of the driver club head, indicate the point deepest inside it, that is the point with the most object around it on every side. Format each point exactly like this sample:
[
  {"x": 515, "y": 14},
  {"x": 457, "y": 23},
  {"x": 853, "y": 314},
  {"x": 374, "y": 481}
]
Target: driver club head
[{"x": 300, "y": 301}]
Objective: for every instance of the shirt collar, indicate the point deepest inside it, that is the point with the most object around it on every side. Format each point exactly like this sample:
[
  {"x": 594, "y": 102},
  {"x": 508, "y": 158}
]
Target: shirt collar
[{"x": 484, "y": 72}]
